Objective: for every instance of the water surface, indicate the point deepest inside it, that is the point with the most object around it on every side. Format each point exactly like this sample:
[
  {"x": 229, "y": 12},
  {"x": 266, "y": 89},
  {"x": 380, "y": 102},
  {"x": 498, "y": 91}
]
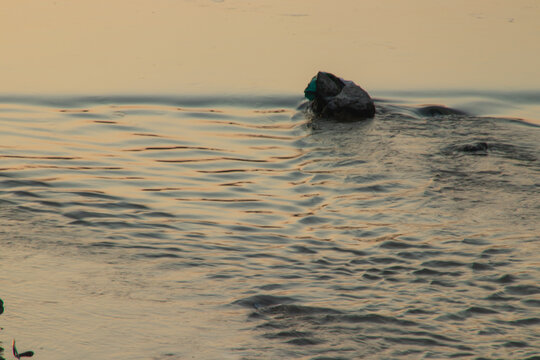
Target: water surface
[
  {"x": 202, "y": 226},
  {"x": 239, "y": 46},
  {"x": 222, "y": 227}
]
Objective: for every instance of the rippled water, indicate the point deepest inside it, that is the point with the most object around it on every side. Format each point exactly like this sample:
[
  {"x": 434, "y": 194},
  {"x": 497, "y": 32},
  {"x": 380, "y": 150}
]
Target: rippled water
[{"x": 235, "y": 228}]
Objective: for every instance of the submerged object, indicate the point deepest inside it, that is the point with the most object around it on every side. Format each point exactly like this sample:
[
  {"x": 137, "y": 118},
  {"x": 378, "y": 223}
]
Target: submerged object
[
  {"x": 337, "y": 99},
  {"x": 438, "y": 110}
]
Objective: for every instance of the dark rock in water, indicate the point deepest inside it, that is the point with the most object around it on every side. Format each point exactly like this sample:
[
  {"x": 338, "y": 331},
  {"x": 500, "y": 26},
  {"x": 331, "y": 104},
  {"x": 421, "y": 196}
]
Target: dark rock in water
[
  {"x": 479, "y": 146},
  {"x": 337, "y": 99}
]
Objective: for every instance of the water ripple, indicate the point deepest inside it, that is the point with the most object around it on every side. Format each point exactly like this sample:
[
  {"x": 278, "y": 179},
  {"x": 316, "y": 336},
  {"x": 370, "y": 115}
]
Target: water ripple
[{"x": 401, "y": 237}]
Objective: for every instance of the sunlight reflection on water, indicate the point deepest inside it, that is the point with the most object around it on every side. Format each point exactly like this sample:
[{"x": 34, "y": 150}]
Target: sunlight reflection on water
[
  {"x": 222, "y": 228},
  {"x": 237, "y": 46},
  {"x": 217, "y": 222}
]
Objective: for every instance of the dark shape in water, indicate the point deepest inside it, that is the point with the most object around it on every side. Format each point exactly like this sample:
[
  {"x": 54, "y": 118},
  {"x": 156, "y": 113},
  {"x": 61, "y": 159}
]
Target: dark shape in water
[
  {"x": 337, "y": 99},
  {"x": 1, "y": 306},
  {"x": 260, "y": 301},
  {"x": 479, "y": 146},
  {"x": 438, "y": 110}
]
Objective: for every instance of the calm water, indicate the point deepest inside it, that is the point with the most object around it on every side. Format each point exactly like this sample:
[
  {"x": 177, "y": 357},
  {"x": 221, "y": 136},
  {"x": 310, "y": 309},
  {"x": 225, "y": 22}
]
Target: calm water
[{"x": 185, "y": 227}]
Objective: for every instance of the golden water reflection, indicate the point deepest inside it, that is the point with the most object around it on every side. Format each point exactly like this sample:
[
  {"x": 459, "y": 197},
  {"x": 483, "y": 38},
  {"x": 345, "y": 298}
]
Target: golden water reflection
[{"x": 237, "y": 46}]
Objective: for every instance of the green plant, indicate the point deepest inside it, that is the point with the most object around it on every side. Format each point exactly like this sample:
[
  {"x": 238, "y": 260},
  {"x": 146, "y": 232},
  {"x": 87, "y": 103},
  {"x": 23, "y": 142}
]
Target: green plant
[{"x": 15, "y": 351}]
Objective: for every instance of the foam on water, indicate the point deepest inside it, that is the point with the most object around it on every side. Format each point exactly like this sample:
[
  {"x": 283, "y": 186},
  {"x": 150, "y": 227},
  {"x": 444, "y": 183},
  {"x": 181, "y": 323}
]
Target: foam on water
[{"x": 232, "y": 227}]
